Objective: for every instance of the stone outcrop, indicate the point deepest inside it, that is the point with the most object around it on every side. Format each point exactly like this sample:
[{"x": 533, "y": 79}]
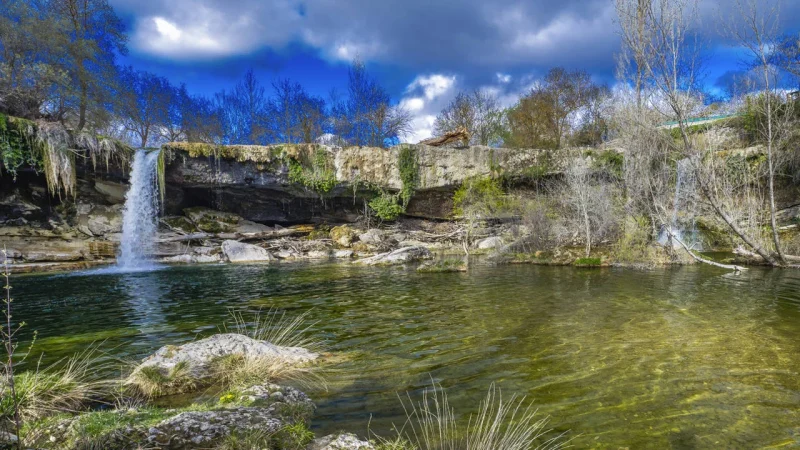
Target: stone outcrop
[
  {"x": 265, "y": 184},
  {"x": 399, "y": 256},
  {"x": 241, "y": 252},
  {"x": 202, "y": 429},
  {"x": 200, "y": 355}
]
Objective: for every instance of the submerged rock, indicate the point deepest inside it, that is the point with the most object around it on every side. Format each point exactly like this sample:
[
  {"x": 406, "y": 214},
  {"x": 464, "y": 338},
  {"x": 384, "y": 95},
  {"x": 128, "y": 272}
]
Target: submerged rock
[
  {"x": 399, "y": 256},
  {"x": 238, "y": 252},
  {"x": 343, "y": 441}
]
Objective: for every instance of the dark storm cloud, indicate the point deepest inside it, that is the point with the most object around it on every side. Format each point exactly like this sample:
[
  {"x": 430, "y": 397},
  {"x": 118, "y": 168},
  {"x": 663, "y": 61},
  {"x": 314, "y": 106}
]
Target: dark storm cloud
[{"x": 418, "y": 34}]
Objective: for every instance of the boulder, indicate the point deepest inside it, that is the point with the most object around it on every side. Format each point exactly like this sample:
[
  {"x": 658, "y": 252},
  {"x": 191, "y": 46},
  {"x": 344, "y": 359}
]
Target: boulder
[
  {"x": 240, "y": 252},
  {"x": 203, "y": 429},
  {"x": 399, "y": 256},
  {"x": 318, "y": 254},
  {"x": 98, "y": 220},
  {"x": 200, "y": 355},
  {"x": 372, "y": 237},
  {"x": 212, "y": 221},
  {"x": 343, "y": 254},
  {"x": 343, "y": 441},
  {"x": 247, "y": 227},
  {"x": 192, "y": 259},
  {"x": 489, "y": 243},
  {"x": 114, "y": 193},
  {"x": 343, "y": 235}
]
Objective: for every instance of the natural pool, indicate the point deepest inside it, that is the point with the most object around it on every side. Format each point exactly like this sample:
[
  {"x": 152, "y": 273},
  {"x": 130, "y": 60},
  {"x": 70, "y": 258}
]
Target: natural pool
[{"x": 682, "y": 358}]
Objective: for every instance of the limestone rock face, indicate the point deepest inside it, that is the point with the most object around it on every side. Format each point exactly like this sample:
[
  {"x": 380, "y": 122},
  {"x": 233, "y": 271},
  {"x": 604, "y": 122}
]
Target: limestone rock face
[
  {"x": 240, "y": 252},
  {"x": 99, "y": 220},
  {"x": 113, "y": 192},
  {"x": 199, "y": 355},
  {"x": 399, "y": 256},
  {"x": 344, "y": 441}
]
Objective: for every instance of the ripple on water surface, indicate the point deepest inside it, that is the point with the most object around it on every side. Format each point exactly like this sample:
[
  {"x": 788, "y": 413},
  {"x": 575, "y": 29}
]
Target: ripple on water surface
[{"x": 676, "y": 358}]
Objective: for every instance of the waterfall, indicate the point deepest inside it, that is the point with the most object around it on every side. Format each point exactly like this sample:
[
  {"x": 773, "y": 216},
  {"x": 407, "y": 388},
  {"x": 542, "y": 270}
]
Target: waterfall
[
  {"x": 139, "y": 226},
  {"x": 682, "y": 225}
]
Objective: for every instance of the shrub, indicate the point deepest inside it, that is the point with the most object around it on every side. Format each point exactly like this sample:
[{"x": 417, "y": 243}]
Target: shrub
[
  {"x": 386, "y": 206},
  {"x": 409, "y": 173},
  {"x": 482, "y": 196}
]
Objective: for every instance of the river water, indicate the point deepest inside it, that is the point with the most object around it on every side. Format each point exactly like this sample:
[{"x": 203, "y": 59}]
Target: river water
[{"x": 681, "y": 358}]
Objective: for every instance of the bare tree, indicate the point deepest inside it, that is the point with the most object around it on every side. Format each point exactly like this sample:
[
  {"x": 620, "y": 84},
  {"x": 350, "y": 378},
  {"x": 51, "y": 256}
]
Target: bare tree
[
  {"x": 477, "y": 112},
  {"x": 590, "y": 201},
  {"x": 759, "y": 34},
  {"x": 671, "y": 64}
]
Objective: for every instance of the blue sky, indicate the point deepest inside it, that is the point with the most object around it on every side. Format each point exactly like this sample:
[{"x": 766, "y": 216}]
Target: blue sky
[{"x": 422, "y": 51}]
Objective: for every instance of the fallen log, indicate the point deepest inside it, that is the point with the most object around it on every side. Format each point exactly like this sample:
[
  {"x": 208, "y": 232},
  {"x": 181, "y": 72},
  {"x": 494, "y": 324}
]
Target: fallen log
[
  {"x": 755, "y": 257},
  {"x": 699, "y": 258},
  {"x": 460, "y": 134}
]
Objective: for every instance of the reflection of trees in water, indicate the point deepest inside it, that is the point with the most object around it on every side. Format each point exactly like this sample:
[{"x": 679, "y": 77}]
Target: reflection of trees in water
[{"x": 679, "y": 349}]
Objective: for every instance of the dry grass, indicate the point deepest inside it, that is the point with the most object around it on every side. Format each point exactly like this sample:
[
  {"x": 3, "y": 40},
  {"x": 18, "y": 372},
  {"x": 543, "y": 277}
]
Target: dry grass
[
  {"x": 274, "y": 327},
  {"x": 64, "y": 386},
  {"x": 432, "y": 424},
  {"x": 151, "y": 382}
]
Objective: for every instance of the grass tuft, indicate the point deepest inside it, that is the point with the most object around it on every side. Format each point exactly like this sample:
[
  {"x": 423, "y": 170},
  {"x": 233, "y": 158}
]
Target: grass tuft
[
  {"x": 65, "y": 386},
  {"x": 498, "y": 424},
  {"x": 151, "y": 382}
]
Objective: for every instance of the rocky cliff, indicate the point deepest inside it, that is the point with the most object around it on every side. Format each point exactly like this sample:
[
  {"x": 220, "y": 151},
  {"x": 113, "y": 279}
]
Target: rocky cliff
[{"x": 299, "y": 183}]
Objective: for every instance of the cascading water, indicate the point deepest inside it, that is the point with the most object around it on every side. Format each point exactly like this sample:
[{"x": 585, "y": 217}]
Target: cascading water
[
  {"x": 139, "y": 225},
  {"x": 682, "y": 225}
]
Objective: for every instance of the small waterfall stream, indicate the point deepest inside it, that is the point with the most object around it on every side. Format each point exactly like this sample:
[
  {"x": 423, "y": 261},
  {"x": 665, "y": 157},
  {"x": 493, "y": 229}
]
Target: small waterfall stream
[
  {"x": 139, "y": 218},
  {"x": 682, "y": 224}
]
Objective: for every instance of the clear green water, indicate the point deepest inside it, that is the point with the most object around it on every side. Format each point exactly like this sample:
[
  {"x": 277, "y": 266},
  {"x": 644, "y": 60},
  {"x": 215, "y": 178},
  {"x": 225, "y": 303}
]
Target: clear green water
[{"x": 676, "y": 358}]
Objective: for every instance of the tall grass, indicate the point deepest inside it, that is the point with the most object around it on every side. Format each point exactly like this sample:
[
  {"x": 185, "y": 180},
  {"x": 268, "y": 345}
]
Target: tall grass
[
  {"x": 276, "y": 328},
  {"x": 498, "y": 424},
  {"x": 273, "y": 326},
  {"x": 64, "y": 386}
]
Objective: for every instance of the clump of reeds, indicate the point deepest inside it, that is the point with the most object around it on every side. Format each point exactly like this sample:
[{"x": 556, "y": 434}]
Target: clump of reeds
[{"x": 431, "y": 424}]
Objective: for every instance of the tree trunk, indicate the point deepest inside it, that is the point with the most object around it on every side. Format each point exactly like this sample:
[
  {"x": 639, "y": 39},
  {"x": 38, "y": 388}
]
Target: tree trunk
[
  {"x": 83, "y": 106},
  {"x": 588, "y": 228}
]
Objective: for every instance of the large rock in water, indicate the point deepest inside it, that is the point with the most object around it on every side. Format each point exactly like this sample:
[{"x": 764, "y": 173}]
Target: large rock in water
[
  {"x": 240, "y": 252},
  {"x": 201, "y": 355},
  {"x": 399, "y": 256}
]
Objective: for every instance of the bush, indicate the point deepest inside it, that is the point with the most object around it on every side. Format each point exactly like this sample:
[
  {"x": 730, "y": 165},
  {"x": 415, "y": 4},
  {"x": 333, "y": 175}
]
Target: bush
[
  {"x": 386, "y": 206},
  {"x": 480, "y": 196}
]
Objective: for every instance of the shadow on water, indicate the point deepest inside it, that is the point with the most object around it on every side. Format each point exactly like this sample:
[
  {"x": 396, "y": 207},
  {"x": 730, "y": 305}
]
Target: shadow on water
[{"x": 673, "y": 358}]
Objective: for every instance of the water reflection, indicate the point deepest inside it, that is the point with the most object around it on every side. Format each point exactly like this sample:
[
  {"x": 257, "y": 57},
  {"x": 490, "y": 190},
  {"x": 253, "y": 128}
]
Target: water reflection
[{"x": 674, "y": 358}]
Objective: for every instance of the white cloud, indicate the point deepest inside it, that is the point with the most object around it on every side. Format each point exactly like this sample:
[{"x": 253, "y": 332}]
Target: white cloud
[
  {"x": 432, "y": 86},
  {"x": 503, "y": 78}
]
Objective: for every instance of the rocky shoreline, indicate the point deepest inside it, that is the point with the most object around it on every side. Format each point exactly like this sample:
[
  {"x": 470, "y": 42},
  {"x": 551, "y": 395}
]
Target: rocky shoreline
[{"x": 255, "y": 410}]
